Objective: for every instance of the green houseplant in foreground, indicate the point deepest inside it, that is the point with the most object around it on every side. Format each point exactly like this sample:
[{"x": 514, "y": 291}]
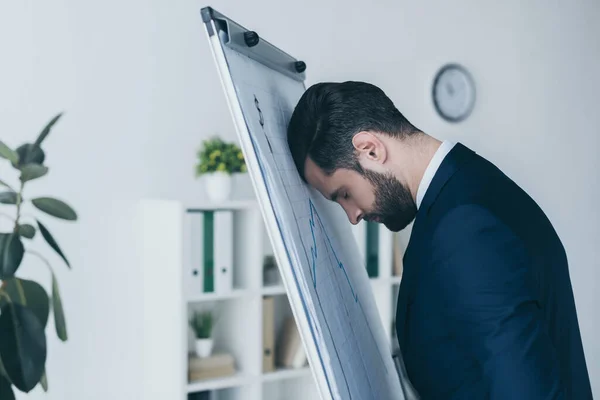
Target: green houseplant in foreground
[
  {"x": 217, "y": 162},
  {"x": 24, "y": 304}
]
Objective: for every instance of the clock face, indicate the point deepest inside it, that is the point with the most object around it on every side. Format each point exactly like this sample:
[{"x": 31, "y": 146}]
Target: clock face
[{"x": 453, "y": 93}]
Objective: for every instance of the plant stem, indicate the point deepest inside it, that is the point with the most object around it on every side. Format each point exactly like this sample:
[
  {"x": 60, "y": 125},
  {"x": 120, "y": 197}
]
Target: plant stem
[{"x": 19, "y": 202}]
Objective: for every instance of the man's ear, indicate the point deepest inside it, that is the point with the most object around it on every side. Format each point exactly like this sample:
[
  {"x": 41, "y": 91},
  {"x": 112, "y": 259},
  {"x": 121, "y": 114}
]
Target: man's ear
[{"x": 369, "y": 147}]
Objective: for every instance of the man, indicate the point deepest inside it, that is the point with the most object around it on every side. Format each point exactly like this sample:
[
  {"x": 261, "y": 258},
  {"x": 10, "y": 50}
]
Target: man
[{"x": 486, "y": 308}]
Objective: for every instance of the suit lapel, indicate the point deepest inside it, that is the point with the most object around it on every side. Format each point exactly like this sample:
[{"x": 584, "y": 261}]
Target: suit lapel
[
  {"x": 451, "y": 163},
  {"x": 409, "y": 262}
]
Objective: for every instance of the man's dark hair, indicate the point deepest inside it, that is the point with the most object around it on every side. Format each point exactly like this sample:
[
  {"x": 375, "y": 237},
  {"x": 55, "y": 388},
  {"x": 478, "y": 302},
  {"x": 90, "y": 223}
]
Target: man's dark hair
[{"x": 329, "y": 114}]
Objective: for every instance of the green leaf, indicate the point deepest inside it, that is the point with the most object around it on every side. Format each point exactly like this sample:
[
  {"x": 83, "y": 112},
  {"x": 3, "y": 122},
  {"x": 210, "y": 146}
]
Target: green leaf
[
  {"x": 30, "y": 294},
  {"x": 11, "y": 254},
  {"x": 56, "y": 208},
  {"x": 23, "y": 346},
  {"x": 8, "y": 197},
  {"x": 2, "y": 183},
  {"x": 59, "y": 315},
  {"x": 29, "y": 154},
  {"x": 8, "y": 153},
  {"x": 46, "y": 129},
  {"x": 6, "y": 392},
  {"x": 44, "y": 381},
  {"x": 26, "y": 230},
  {"x": 32, "y": 171},
  {"x": 50, "y": 240},
  {"x": 32, "y": 153}
]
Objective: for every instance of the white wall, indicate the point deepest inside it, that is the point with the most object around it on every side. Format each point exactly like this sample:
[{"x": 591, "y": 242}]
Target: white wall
[{"x": 139, "y": 89}]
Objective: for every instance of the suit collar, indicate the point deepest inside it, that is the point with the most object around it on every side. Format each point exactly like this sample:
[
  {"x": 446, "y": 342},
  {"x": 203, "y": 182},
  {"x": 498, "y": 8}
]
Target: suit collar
[
  {"x": 451, "y": 163},
  {"x": 435, "y": 162}
]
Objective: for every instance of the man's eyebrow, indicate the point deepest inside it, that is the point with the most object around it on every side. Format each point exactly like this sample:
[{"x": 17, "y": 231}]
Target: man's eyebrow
[{"x": 333, "y": 196}]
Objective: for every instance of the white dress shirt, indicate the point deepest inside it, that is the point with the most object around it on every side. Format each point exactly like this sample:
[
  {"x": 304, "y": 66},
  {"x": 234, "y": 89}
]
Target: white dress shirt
[{"x": 432, "y": 168}]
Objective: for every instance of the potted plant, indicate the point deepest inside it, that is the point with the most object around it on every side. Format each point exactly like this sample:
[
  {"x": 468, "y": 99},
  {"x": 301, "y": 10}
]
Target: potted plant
[
  {"x": 217, "y": 162},
  {"x": 202, "y": 323},
  {"x": 25, "y": 305}
]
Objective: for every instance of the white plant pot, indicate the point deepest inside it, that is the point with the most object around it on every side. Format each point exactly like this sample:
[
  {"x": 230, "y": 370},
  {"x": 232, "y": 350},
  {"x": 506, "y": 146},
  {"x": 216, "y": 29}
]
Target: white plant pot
[
  {"x": 218, "y": 186},
  {"x": 204, "y": 347}
]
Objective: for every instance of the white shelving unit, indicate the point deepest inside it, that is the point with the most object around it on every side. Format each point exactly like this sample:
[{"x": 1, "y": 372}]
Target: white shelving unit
[{"x": 170, "y": 299}]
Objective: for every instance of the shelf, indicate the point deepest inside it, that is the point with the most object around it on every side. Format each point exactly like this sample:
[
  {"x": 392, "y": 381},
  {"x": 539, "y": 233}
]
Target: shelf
[
  {"x": 238, "y": 379},
  {"x": 241, "y": 379},
  {"x": 286, "y": 373},
  {"x": 234, "y": 294},
  {"x": 391, "y": 280},
  {"x": 226, "y": 205},
  {"x": 273, "y": 290}
]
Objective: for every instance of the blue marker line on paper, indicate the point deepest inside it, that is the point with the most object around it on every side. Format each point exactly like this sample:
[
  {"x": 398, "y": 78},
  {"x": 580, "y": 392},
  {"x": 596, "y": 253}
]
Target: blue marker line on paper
[{"x": 313, "y": 249}]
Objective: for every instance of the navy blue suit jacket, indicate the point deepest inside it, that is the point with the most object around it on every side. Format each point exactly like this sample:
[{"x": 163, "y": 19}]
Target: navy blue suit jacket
[{"x": 485, "y": 308}]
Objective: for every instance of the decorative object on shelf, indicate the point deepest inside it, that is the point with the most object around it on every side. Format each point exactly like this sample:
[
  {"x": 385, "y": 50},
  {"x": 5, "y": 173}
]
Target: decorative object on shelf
[
  {"x": 25, "y": 305},
  {"x": 203, "y": 323},
  {"x": 271, "y": 275},
  {"x": 211, "y": 367},
  {"x": 217, "y": 162},
  {"x": 453, "y": 93}
]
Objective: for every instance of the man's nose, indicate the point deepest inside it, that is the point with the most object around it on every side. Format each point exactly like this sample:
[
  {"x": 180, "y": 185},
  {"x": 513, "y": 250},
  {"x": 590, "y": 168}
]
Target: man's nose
[{"x": 354, "y": 214}]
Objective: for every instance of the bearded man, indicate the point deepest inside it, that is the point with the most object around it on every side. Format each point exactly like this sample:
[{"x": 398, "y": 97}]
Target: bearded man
[{"x": 486, "y": 307}]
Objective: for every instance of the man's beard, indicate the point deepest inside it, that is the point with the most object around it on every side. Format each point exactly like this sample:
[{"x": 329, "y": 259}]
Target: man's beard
[{"x": 394, "y": 206}]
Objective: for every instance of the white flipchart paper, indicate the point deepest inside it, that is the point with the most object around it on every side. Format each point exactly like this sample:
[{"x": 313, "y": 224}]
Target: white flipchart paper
[{"x": 324, "y": 275}]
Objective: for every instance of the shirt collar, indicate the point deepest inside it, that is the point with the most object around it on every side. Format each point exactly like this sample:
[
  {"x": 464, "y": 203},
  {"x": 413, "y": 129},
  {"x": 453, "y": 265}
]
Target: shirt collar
[{"x": 432, "y": 168}]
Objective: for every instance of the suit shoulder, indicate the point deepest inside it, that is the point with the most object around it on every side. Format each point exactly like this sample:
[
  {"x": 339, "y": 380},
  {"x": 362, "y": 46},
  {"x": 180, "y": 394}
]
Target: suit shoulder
[
  {"x": 473, "y": 248},
  {"x": 470, "y": 224},
  {"x": 466, "y": 216},
  {"x": 474, "y": 182}
]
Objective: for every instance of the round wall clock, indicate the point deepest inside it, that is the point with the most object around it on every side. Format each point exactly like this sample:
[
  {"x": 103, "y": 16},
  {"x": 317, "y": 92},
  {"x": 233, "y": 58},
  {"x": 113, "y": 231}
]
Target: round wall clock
[{"x": 453, "y": 93}]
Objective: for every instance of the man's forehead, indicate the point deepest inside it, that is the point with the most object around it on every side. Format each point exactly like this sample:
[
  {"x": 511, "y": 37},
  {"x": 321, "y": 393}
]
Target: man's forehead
[
  {"x": 326, "y": 184},
  {"x": 314, "y": 175}
]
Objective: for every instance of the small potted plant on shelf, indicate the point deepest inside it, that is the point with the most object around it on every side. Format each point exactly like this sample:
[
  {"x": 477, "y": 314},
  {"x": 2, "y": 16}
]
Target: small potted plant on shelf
[
  {"x": 202, "y": 323},
  {"x": 217, "y": 162}
]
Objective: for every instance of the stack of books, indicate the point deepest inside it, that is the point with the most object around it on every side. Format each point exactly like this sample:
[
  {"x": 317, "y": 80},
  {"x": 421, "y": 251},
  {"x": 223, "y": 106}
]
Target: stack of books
[{"x": 215, "y": 366}]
